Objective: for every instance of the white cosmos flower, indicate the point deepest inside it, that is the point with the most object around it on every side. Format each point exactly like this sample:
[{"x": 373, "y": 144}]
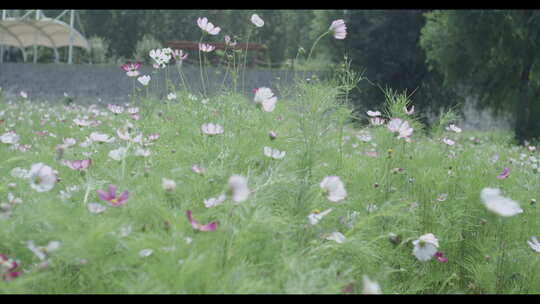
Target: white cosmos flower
[
  {"x": 373, "y": 113},
  {"x": 498, "y": 204},
  {"x": 364, "y": 136},
  {"x": 208, "y": 26},
  {"x": 171, "y": 96},
  {"x": 24, "y": 95},
  {"x": 454, "y": 128},
  {"x": 42, "y": 177},
  {"x": 142, "y": 152},
  {"x": 42, "y": 251},
  {"x": 68, "y": 142},
  {"x": 144, "y": 80},
  {"x": 101, "y": 137},
  {"x": 168, "y": 184},
  {"x": 448, "y": 141},
  {"x": 96, "y": 208},
  {"x": 82, "y": 122},
  {"x": 214, "y": 201},
  {"x": 401, "y": 127},
  {"x": 19, "y": 173},
  {"x": 211, "y": 129},
  {"x": 146, "y": 252},
  {"x": 425, "y": 247},
  {"x": 316, "y": 216},
  {"x": 10, "y": 138},
  {"x": 334, "y": 187},
  {"x": 274, "y": 153},
  {"x": 370, "y": 287},
  {"x": 125, "y": 230},
  {"x": 266, "y": 99},
  {"x": 118, "y": 154},
  {"x": 534, "y": 244},
  {"x": 337, "y": 236},
  {"x": 255, "y": 19},
  {"x": 239, "y": 187}
]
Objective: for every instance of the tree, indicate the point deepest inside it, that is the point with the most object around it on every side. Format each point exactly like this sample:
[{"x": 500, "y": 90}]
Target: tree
[
  {"x": 385, "y": 44},
  {"x": 494, "y": 55}
]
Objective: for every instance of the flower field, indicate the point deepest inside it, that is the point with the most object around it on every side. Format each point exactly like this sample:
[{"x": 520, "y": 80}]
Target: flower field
[{"x": 200, "y": 194}]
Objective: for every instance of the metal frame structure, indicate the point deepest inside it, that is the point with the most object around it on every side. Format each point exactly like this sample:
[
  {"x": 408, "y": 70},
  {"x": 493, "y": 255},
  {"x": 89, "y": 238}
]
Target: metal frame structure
[{"x": 46, "y": 32}]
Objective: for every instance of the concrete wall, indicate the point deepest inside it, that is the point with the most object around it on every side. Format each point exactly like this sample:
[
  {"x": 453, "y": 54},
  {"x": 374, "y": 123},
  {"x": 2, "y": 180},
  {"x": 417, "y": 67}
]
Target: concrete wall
[{"x": 89, "y": 83}]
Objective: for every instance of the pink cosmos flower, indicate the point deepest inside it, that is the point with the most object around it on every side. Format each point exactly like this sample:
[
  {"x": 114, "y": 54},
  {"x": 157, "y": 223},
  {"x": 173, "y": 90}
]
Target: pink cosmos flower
[
  {"x": 338, "y": 29},
  {"x": 132, "y": 68},
  {"x": 7, "y": 267},
  {"x": 408, "y": 112},
  {"x": 111, "y": 197},
  {"x": 229, "y": 42},
  {"x": 115, "y": 109},
  {"x": 133, "y": 110},
  {"x": 504, "y": 174},
  {"x": 198, "y": 226},
  {"x": 78, "y": 164},
  {"x": 207, "y": 48},
  {"x": 208, "y": 26},
  {"x": 377, "y": 121},
  {"x": 179, "y": 55}
]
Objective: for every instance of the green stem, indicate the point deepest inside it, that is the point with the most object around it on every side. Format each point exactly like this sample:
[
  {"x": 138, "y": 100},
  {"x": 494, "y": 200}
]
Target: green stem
[
  {"x": 501, "y": 257},
  {"x": 200, "y": 66},
  {"x": 314, "y": 44}
]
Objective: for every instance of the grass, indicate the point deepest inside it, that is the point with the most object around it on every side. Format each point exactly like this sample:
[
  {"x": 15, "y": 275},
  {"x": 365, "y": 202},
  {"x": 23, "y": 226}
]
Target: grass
[{"x": 265, "y": 244}]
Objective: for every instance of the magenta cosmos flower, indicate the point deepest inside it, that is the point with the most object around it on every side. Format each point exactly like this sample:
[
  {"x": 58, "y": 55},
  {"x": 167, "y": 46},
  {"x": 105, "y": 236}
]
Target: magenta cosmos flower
[
  {"x": 504, "y": 174},
  {"x": 7, "y": 267},
  {"x": 132, "y": 68},
  {"x": 78, "y": 164},
  {"x": 198, "y": 226},
  {"x": 111, "y": 197},
  {"x": 440, "y": 257},
  {"x": 338, "y": 29}
]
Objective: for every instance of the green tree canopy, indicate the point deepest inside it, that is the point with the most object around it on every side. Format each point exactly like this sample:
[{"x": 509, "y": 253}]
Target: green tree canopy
[
  {"x": 491, "y": 53},
  {"x": 386, "y": 44}
]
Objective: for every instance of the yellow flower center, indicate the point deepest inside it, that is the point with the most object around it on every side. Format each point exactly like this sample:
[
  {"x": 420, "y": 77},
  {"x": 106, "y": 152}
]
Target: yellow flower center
[
  {"x": 114, "y": 201},
  {"x": 316, "y": 211}
]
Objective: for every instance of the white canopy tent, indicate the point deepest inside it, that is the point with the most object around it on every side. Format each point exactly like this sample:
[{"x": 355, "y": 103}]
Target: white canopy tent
[{"x": 41, "y": 31}]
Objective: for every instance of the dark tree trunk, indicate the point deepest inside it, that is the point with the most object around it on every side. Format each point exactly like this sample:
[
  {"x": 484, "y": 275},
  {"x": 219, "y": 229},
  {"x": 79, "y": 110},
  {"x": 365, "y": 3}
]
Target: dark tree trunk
[{"x": 523, "y": 124}]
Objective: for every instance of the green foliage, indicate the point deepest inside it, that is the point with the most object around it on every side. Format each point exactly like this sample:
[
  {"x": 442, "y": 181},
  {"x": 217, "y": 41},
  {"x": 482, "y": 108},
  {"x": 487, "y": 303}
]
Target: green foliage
[
  {"x": 385, "y": 44},
  {"x": 99, "y": 48},
  {"x": 144, "y": 46},
  {"x": 265, "y": 244},
  {"x": 492, "y": 54}
]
